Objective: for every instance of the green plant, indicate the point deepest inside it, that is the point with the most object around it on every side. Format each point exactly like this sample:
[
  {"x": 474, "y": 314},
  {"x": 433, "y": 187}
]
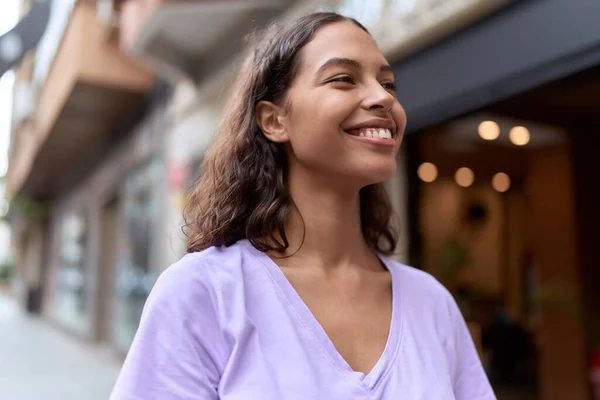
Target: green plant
[
  {"x": 6, "y": 271},
  {"x": 454, "y": 258},
  {"x": 28, "y": 207}
]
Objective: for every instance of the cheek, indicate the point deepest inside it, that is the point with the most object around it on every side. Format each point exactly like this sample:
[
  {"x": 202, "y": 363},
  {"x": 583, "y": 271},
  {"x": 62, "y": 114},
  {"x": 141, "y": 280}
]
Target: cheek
[
  {"x": 318, "y": 144},
  {"x": 399, "y": 116},
  {"x": 315, "y": 123}
]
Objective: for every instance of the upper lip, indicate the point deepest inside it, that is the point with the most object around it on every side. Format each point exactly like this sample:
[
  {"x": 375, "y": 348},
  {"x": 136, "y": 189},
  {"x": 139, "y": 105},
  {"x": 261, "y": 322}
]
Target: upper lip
[{"x": 381, "y": 123}]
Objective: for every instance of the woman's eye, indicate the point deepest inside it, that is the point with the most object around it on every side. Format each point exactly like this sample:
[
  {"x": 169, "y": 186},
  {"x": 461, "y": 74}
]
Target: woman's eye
[
  {"x": 343, "y": 79},
  {"x": 389, "y": 85}
]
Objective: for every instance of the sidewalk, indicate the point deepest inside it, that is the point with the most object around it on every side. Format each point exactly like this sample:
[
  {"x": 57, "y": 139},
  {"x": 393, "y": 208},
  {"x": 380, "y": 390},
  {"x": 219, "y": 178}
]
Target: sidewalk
[{"x": 38, "y": 362}]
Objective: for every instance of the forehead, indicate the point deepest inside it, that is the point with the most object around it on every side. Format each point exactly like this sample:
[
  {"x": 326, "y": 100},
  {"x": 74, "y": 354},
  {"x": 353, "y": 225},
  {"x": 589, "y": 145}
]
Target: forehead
[{"x": 341, "y": 39}]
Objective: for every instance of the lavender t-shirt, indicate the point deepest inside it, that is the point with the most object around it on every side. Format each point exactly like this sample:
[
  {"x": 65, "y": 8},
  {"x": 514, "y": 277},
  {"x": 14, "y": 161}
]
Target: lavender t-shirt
[{"x": 225, "y": 323}]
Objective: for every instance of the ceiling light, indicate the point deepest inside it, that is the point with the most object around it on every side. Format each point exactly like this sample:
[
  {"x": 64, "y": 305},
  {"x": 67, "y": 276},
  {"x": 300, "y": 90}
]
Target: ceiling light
[
  {"x": 464, "y": 177},
  {"x": 489, "y": 130},
  {"x": 519, "y": 135},
  {"x": 501, "y": 182},
  {"x": 427, "y": 172}
]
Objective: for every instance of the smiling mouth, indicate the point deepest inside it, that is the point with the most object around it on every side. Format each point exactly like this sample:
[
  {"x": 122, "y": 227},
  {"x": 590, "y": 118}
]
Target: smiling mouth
[{"x": 375, "y": 133}]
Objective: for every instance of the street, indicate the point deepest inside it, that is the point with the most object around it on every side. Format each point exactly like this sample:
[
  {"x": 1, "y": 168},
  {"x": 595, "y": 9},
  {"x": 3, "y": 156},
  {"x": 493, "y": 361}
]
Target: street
[{"x": 38, "y": 361}]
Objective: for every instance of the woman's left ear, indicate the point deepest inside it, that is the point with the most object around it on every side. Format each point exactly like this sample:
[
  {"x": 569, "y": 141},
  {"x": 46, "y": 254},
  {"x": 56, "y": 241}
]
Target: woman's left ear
[{"x": 271, "y": 119}]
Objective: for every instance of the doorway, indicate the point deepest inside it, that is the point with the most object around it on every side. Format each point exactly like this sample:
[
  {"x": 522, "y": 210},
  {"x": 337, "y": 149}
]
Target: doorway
[{"x": 496, "y": 223}]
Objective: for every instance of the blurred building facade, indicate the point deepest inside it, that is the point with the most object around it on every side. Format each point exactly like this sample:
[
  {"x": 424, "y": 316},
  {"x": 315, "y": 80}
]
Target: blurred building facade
[
  {"x": 500, "y": 187},
  {"x": 85, "y": 121},
  {"x": 118, "y": 104}
]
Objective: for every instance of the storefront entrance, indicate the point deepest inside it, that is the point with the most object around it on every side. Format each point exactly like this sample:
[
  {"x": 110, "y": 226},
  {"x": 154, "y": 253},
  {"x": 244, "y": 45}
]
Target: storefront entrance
[{"x": 504, "y": 210}]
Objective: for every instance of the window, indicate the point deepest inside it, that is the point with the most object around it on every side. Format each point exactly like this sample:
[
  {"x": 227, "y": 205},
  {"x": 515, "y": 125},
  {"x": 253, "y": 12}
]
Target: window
[
  {"x": 72, "y": 290},
  {"x": 135, "y": 277}
]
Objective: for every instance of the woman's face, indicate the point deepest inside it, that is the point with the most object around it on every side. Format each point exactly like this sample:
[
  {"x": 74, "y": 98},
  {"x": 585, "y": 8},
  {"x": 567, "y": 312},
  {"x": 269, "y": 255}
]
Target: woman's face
[{"x": 343, "y": 119}]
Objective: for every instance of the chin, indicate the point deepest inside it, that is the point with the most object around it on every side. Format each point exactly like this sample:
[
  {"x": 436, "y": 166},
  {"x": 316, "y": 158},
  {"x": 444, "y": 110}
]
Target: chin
[{"x": 377, "y": 173}]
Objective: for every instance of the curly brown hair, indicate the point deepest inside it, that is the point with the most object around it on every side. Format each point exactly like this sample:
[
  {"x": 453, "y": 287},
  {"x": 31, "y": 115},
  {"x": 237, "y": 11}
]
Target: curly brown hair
[{"x": 242, "y": 192}]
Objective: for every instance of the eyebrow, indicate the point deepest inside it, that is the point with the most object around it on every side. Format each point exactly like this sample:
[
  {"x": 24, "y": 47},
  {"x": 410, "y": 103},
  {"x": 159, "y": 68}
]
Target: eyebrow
[{"x": 349, "y": 62}]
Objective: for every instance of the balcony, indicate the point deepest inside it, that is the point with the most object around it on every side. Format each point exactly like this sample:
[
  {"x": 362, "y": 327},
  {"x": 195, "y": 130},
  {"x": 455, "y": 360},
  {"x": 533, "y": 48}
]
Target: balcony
[
  {"x": 89, "y": 87},
  {"x": 190, "y": 38}
]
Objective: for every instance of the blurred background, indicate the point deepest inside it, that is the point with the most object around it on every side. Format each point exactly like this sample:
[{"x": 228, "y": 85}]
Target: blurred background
[{"x": 106, "y": 110}]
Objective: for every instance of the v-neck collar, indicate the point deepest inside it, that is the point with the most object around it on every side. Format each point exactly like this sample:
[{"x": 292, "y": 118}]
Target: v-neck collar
[{"x": 387, "y": 358}]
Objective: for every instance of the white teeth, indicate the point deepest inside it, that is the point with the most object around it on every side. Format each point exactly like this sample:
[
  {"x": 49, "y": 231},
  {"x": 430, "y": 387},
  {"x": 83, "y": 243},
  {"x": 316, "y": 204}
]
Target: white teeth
[{"x": 375, "y": 133}]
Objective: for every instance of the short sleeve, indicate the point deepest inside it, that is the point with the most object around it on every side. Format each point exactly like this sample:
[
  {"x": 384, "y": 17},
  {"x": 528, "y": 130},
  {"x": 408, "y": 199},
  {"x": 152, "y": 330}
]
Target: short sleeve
[
  {"x": 470, "y": 380},
  {"x": 178, "y": 352}
]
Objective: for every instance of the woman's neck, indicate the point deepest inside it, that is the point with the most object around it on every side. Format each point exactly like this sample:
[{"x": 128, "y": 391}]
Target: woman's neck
[{"x": 324, "y": 226}]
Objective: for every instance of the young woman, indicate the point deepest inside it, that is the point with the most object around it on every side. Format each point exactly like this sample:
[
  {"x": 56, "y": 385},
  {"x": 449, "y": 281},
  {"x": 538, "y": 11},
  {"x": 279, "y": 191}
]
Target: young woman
[{"x": 286, "y": 292}]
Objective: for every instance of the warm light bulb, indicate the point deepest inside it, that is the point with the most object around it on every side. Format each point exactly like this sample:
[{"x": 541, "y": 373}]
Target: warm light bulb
[
  {"x": 427, "y": 172},
  {"x": 489, "y": 130},
  {"x": 519, "y": 135},
  {"x": 501, "y": 182},
  {"x": 464, "y": 177}
]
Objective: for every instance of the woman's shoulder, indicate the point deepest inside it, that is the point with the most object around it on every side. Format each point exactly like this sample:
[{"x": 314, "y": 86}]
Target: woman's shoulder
[
  {"x": 418, "y": 282},
  {"x": 200, "y": 274},
  {"x": 423, "y": 295},
  {"x": 208, "y": 261}
]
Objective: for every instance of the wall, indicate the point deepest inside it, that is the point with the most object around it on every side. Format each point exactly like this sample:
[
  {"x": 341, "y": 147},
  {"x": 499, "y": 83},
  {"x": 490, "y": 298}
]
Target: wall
[
  {"x": 5, "y": 253},
  {"x": 397, "y": 189},
  {"x": 586, "y": 147},
  {"x": 518, "y": 248},
  {"x": 91, "y": 196},
  {"x": 561, "y": 338},
  {"x": 33, "y": 255},
  {"x": 192, "y": 130},
  {"x": 442, "y": 210}
]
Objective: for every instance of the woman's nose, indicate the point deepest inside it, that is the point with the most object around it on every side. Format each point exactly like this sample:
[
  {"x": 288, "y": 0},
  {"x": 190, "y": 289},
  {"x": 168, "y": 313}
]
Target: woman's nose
[{"x": 378, "y": 97}]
